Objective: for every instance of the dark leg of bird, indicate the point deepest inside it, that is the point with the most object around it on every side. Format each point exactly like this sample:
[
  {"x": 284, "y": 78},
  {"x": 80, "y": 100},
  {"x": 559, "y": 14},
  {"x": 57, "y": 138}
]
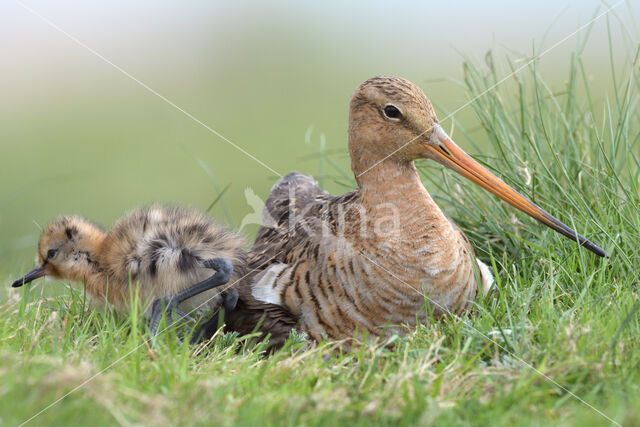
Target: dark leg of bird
[
  {"x": 156, "y": 314},
  {"x": 207, "y": 329},
  {"x": 211, "y": 326},
  {"x": 230, "y": 299},
  {"x": 223, "y": 268}
]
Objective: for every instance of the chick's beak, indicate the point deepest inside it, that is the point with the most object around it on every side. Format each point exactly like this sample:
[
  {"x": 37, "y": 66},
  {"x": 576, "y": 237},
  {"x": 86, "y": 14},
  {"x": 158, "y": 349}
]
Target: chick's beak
[
  {"x": 29, "y": 277},
  {"x": 443, "y": 150}
]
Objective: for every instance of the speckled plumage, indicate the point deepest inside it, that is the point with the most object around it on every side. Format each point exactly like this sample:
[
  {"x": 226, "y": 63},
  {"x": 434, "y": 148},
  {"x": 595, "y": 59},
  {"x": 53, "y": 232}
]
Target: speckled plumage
[{"x": 159, "y": 248}]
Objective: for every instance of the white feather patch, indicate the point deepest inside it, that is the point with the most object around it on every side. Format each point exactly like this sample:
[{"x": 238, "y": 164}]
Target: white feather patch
[
  {"x": 486, "y": 276},
  {"x": 265, "y": 288}
]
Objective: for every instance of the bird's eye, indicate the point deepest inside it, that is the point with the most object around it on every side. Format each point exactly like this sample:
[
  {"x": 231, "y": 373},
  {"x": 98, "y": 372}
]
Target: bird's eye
[
  {"x": 392, "y": 112},
  {"x": 51, "y": 253}
]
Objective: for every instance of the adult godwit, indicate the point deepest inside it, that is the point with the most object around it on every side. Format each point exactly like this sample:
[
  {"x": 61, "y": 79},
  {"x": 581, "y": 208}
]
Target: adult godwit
[
  {"x": 170, "y": 252},
  {"x": 337, "y": 266}
]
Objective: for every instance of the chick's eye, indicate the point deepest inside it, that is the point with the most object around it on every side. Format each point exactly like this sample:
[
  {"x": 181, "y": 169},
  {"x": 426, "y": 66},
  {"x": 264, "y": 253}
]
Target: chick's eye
[
  {"x": 51, "y": 253},
  {"x": 392, "y": 112}
]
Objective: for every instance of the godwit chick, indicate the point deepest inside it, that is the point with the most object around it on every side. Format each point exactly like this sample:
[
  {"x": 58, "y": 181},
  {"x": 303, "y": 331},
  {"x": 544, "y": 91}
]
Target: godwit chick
[
  {"x": 337, "y": 266},
  {"x": 169, "y": 251}
]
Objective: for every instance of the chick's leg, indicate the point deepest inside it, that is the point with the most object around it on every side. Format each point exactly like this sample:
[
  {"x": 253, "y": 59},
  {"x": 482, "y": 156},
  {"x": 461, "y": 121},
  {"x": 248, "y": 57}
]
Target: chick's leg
[{"x": 223, "y": 268}]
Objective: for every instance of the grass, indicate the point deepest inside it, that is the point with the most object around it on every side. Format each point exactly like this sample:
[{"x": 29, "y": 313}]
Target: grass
[{"x": 563, "y": 323}]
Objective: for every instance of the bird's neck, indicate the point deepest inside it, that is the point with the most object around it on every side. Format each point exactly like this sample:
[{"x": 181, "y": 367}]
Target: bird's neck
[
  {"x": 88, "y": 267},
  {"x": 98, "y": 281},
  {"x": 390, "y": 186}
]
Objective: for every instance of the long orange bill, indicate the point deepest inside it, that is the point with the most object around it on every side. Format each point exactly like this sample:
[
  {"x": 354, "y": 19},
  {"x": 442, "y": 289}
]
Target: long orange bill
[{"x": 446, "y": 152}]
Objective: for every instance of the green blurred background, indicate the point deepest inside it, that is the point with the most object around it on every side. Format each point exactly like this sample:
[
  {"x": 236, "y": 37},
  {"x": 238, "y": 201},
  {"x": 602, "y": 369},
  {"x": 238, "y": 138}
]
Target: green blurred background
[{"x": 78, "y": 136}]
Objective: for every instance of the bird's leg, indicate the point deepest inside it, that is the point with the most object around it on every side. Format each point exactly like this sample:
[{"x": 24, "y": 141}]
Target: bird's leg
[
  {"x": 206, "y": 330},
  {"x": 223, "y": 268},
  {"x": 210, "y": 326}
]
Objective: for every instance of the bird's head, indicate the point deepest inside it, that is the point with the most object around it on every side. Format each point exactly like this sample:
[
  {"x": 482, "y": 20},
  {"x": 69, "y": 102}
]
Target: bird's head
[
  {"x": 66, "y": 250},
  {"x": 392, "y": 121}
]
